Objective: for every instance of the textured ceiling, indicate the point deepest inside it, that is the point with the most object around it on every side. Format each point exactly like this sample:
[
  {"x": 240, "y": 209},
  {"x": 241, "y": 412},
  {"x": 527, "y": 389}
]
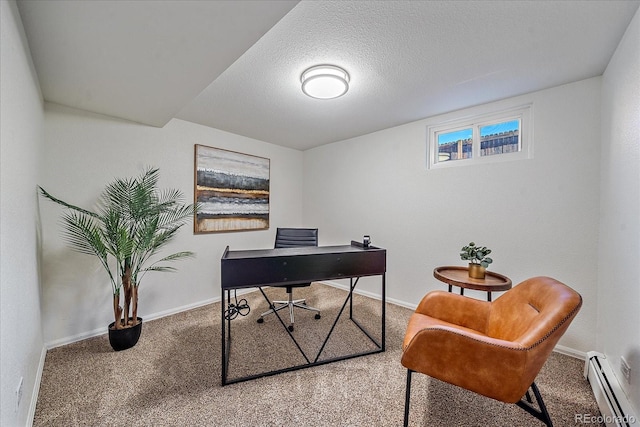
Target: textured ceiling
[
  {"x": 139, "y": 60},
  {"x": 236, "y": 66}
]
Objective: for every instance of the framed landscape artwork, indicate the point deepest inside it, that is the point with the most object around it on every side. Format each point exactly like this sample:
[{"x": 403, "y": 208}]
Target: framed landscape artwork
[{"x": 232, "y": 190}]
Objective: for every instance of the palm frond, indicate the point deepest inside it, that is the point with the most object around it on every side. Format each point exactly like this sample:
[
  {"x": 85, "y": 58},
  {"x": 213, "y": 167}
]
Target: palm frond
[
  {"x": 173, "y": 257},
  {"x": 44, "y": 193},
  {"x": 164, "y": 268},
  {"x": 177, "y": 256},
  {"x": 82, "y": 234}
]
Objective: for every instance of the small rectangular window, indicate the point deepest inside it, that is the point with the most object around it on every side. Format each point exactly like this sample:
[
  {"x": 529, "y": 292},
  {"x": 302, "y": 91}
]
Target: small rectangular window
[
  {"x": 455, "y": 145},
  {"x": 500, "y": 138},
  {"x": 490, "y": 137}
]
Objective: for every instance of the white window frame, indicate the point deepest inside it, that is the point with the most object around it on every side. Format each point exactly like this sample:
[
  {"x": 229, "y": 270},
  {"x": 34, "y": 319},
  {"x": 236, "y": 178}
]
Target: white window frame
[{"x": 475, "y": 122}]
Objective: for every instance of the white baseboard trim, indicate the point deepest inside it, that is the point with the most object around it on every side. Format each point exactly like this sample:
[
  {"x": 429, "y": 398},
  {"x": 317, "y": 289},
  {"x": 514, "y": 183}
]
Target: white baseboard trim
[
  {"x": 370, "y": 294},
  {"x": 101, "y": 331},
  {"x": 181, "y": 309},
  {"x": 567, "y": 351},
  {"x": 36, "y": 387}
]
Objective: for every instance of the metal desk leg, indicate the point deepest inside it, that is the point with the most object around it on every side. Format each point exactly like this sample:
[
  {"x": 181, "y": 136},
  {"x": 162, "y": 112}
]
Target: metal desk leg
[
  {"x": 384, "y": 309},
  {"x": 226, "y": 340}
]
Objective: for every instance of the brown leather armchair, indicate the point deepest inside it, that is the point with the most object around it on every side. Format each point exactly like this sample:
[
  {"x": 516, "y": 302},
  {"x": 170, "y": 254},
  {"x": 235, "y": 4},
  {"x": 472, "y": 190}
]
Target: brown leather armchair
[{"x": 495, "y": 349}]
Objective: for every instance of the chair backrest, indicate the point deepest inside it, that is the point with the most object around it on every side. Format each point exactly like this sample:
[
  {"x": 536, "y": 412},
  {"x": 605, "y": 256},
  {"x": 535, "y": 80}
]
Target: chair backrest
[
  {"x": 538, "y": 309},
  {"x": 294, "y": 237}
]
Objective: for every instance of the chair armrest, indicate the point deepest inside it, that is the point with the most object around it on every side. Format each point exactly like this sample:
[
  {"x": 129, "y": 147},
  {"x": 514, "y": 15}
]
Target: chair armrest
[
  {"x": 492, "y": 367},
  {"x": 456, "y": 309}
]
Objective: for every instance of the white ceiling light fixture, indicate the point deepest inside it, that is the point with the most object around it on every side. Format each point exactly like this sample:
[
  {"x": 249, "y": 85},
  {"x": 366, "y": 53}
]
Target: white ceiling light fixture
[{"x": 325, "y": 81}]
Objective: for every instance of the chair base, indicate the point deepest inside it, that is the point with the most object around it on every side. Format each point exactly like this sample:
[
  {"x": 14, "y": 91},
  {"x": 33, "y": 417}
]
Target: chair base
[
  {"x": 291, "y": 304},
  {"x": 525, "y": 403}
]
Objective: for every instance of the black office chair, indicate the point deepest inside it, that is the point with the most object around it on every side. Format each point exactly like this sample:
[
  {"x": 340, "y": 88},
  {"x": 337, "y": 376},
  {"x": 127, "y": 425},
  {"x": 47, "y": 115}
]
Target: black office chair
[{"x": 291, "y": 238}]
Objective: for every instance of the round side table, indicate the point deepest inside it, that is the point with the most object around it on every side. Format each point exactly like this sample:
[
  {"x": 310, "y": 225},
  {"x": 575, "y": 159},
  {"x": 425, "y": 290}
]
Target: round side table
[{"x": 459, "y": 276}]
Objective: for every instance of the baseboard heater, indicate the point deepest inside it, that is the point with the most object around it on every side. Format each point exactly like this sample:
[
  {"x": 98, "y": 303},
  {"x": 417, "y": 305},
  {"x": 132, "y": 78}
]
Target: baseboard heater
[{"x": 615, "y": 408}]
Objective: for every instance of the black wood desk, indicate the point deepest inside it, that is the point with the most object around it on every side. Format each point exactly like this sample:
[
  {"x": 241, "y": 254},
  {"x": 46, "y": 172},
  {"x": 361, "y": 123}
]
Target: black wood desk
[{"x": 269, "y": 267}]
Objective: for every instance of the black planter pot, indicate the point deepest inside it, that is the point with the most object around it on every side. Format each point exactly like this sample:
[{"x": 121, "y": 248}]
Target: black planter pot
[{"x": 122, "y": 339}]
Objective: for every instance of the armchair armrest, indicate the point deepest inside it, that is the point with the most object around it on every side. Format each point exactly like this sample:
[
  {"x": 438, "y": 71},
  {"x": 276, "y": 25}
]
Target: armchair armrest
[
  {"x": 488, "y": 366},
  {"x": 456, "y": 309}
]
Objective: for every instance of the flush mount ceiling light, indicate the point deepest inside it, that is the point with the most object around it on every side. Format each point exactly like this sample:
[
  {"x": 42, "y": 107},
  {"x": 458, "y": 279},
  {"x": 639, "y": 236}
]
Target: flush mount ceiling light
[{"x": 325, "y": 81}]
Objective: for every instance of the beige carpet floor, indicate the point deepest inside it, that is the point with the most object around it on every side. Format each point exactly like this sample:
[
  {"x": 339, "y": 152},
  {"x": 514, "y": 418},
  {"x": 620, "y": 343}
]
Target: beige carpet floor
[{"x": 172, "y": 377}]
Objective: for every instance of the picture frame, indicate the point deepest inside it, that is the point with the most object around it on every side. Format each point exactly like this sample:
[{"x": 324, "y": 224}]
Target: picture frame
[{"x": 232, "y": 190}]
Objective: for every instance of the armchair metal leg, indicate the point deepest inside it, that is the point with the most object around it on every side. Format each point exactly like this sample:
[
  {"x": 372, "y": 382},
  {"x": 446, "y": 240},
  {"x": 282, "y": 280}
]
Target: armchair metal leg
[
  {"x": 407, "y": 398},
  {"x": 542, "y": 414},
  {"x": 526, "y": 403}
]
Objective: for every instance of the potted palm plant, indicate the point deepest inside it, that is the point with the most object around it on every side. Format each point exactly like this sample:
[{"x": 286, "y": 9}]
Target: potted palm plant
[
  {"x": 478, "y": 259},
  {"x": 132, "y": 222}
]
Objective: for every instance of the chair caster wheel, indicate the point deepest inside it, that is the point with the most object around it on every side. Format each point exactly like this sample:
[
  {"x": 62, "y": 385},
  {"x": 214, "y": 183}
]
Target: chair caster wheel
[
  {"x": 260, "y": 320},
  {"x": 291, "y": 328},
  {"x": 317, "y": 315}
]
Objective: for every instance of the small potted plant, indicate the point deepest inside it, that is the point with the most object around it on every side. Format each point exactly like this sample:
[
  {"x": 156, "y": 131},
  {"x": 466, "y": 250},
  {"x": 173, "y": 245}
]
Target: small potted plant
[
  {"x": 478, "y": 259},
  {"x": 132, "y": 223}
]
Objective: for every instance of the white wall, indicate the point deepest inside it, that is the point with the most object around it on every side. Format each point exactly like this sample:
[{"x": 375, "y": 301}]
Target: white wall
[
  {"x": 619, "y": 254},
  {"x": 83, "y": 152},
  {"x": 539, "y": 216},
  {"x": 21, "y": 139}
]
